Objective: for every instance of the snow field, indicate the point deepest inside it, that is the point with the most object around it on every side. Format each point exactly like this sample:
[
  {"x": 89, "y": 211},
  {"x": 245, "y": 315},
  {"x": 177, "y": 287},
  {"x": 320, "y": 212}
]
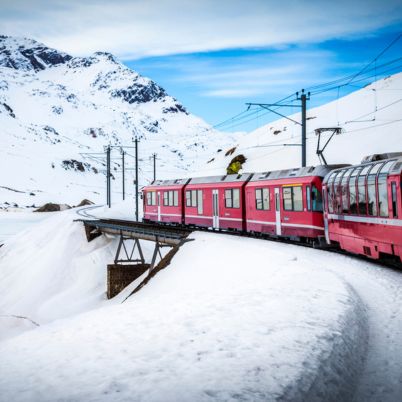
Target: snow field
[{"x": 230, "y": 318}]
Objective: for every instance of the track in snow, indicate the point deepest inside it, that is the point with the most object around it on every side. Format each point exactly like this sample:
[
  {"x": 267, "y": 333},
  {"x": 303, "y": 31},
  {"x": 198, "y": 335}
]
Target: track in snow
[{"x": 84, "y": 211}]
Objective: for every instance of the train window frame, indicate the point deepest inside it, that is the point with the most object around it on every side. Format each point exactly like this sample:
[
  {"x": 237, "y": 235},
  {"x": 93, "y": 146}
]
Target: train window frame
[
  {"x": 372, "y": 189},
  {"x": 354, "y": 176},
  {"x": 338, "y": 191},
  {"x": 394, "y": 199},
  {"x": 316, "y": 199},
  {"x": 330, "y": 191},
  {"x": 191, "y": 198},
  {"x": 382, "y": 189},
  {"x": 308, "y": 197},
  {"x": 292, "y": 198},
  {"x": 232, "y": 198},
  {"x": 264, "y": 197},
  {"x": 362, "y": 175},
  {"x": 200, "y": 202},
  {"x": 344, "y": 186}
]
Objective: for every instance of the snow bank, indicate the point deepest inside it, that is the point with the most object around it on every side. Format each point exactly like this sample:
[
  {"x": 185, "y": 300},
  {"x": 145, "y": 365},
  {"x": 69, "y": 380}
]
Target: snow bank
[
  {"x": 229, "y": 319},
  {"x": 50, "y": 271}
]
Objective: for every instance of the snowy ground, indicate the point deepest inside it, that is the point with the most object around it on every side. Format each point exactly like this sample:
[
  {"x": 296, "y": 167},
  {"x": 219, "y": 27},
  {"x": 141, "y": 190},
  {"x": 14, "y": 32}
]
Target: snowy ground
[
  {"x": 230, "y": 319},
  {"x": 14, "y": 222}
]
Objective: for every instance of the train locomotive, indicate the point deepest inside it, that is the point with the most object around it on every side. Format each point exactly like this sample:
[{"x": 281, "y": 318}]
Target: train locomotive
[{"x": 354, "y": 208}]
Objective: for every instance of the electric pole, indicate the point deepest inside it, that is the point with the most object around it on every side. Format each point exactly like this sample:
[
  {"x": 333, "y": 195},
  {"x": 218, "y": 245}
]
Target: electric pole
[
  {"x": 303, "y": 98},
  {"x": 154, "y": 157},
  {"x": 108, "y": 190},
  {"x": 124, "y": 180},
  {"x": 136, "y": 178}
]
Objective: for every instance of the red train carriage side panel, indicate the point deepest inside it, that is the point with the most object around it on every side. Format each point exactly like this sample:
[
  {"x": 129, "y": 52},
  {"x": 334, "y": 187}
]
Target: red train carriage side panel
[
  {"x": 216, "y": 202},
  {"x": 363, "y": 211},
  {"x": 287, "y": 202},
  {"x": 164, "y": 200}
]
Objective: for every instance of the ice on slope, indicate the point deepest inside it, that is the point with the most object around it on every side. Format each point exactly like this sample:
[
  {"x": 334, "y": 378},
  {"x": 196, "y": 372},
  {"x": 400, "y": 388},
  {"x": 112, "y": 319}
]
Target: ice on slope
[{"x": 230, "y": 318}]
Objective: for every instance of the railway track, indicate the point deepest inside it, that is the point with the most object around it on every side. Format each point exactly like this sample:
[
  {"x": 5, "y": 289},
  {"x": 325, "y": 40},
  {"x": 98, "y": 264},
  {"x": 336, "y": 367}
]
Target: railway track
[{"x": 183, "y": 228}]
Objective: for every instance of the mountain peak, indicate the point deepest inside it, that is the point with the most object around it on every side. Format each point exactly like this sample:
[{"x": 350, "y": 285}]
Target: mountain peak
[{"x": 28, "y": 55}]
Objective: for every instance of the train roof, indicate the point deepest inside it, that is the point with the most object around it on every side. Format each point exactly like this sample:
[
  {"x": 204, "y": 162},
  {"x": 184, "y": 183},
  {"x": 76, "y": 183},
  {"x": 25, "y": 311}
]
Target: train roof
[
  {"x": 320, "y": 171},
  {"x": 172, "y": 182},
  {"x": 230, "y": 178},
  {"x": 395, "y": 168}
]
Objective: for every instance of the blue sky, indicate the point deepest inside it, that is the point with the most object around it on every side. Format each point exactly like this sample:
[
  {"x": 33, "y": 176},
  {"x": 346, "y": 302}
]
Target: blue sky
[
  {"x": 216, "y": 85},
  {"x": 216, "y": 55}
]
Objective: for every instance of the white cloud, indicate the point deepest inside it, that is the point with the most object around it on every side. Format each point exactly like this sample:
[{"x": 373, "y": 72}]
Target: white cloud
[
  {"x": 137, "y": 28},
  {"x": 249, "y": 75}
]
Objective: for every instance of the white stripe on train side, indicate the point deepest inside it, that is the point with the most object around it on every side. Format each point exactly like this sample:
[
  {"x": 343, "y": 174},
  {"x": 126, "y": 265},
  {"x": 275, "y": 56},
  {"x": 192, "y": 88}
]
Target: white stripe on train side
[{"x": 366, "y": 219}]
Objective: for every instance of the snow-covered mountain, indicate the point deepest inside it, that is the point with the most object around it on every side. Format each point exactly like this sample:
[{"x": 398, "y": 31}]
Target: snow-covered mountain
[
  {"x": 54, "y": 108},
  {"x": 370, "y": 119}
]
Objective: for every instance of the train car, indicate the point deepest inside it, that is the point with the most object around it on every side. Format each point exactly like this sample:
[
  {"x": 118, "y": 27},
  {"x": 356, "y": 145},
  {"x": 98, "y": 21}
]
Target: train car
[
  {"x": 163, "y": 201},
  {"x": 363, "y": 207},
  {"x": 216, "y": 202},
  {"x": 287, "y": 203}
]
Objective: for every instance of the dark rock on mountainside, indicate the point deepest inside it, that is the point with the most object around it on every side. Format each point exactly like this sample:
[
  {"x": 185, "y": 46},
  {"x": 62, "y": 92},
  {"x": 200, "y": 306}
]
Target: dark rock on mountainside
[
  {"x": 26, "y": 54},
  {"x": 51, "y": 207},
  {"x": 7, "y": 109},
  {"x": 175, "y": 109},
  {"x": 85, "y": 202},
  {"x": 139, "y": 93}
]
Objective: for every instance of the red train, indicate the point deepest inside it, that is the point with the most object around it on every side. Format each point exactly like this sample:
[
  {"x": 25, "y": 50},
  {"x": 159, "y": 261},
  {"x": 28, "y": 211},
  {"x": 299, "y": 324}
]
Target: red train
[{"x": 357, "y": 208}]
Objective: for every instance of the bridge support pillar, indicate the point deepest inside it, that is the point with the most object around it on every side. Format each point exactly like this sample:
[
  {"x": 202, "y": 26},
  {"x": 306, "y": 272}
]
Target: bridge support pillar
[{"x": 121, "y": 275}]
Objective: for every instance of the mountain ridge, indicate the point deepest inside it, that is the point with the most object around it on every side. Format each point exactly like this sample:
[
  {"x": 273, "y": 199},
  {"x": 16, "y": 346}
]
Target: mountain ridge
[{"x": 56, "y": 108}]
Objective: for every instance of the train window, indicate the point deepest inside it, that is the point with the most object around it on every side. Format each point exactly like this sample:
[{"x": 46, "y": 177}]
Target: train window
[
  {"x": 148, "y": 198},
  {"x": 297, "y": 198},
  {"x": 165, "y": 198},
  {"x": 345, "y": 192},
  {"x": 200, "y": 203},
  {"x": 308, "y": 198},
  {"x": 316, "y": 198},
  {"x": 228, "y": 199},
  {"x": 170, "y": 198},
  {"x": 236, "y": 198},
  {"x": 193, "y": 198},
  {"x": 293, "y": 198},
  {"x": 382, "y": 195},
  {"x": 371, "y": 190},
  {"x": 352, "y": 191},
  {"x": 361, "y": 184},
  {"x": 331, "y": 192},
  {"x": 262, "y": 198},
  {"x": 175, "y": 198},
  {"x": 153, "y": 198},
  {"x": 232, "y": 198},
  {"x": 394, "y": 200},
  {"x": 383, "y": 189},
  {"x": 287, "y": 199},
  {"x": 338, "y": 192}
]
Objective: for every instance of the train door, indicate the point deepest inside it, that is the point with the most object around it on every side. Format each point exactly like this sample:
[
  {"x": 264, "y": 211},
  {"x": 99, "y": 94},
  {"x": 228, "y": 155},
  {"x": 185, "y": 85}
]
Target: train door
[
  {"x": 215, "y": 209},
  {"x": 278, "y": 211},
  {"x": 159, "y": 205}
]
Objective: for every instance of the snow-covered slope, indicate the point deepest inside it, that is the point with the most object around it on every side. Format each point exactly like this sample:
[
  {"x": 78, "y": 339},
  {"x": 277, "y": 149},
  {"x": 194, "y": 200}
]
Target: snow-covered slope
[
  {"x": 54, "y": 107},
  {"x": 371, "y": 122},
  {"x": 218, "y": 324}
]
